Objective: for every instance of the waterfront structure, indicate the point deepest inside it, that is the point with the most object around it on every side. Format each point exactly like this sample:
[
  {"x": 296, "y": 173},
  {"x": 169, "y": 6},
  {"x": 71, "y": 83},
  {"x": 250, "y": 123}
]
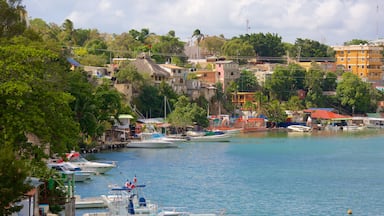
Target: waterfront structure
[{"x": 363, "y": 60}]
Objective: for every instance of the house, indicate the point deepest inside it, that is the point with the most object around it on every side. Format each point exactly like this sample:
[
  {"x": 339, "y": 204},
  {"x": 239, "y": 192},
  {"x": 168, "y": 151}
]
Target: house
[
  {"x": 144, "y": 64},
  {"x": 178, "y": 77},
  {"x": 227, "y": 71},
  {"x": 31, "y": 202},
  {"x": 363, "y": 60}
]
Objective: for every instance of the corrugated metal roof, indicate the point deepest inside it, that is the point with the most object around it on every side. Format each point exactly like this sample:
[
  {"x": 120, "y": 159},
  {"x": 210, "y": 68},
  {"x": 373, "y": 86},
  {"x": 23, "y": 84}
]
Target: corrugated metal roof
[{"x": 73, "y": 62}]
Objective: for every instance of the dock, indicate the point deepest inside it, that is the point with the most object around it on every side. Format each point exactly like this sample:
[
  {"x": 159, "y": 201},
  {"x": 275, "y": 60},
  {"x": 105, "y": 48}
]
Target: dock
[{"x": 89, "y": 202}]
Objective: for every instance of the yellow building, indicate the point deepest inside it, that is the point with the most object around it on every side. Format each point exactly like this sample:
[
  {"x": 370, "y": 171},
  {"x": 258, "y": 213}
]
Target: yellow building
[{"x": 362, "y": 60}]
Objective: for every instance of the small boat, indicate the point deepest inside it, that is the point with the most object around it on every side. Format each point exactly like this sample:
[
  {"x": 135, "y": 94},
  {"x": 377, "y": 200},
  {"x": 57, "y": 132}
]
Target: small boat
[
  {"x": 77, "y": 176},
  {"x": 152, "y": 140},
  {"x": 129, "y": 201},
  {"x": 97, "y": 167},
  {"x": 211, "y": 137},
  {"x": 299, "y": 128},
  {"x": 151, "y": 143}
]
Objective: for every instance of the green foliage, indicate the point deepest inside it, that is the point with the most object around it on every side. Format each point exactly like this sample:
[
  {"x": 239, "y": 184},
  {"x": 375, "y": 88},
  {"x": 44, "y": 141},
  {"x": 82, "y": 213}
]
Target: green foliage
[
  {"x": 356, "y": 95},
  {"x": 237, "y": 47},
  {"x": 275, "y": 112},
  {"x": 310, "y": 48},
  {"x": 355, "y": 42},
  {"x": 265, "y": 44},
  {"x": 31, "y": 86},
  {"x": 212, "y": 44},
  {"x": 247, "y": 82},
  {"x": 13, "y": 183},
  {"x": 128, "y": 74},
  {"x": 12, "y": 18},
  {"x": 187, "y": 113},
  {"x": 285, "y": 81},
  {"x": 167, "y": 47}
]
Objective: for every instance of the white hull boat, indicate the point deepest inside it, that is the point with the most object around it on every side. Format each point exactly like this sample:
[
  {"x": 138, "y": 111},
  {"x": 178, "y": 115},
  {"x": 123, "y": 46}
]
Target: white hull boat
[
  {"x": 151, "y": 143},
  {"x": 211, "y": 138},
  {"x": 299, "y": 128},
  {"x": 91, "y": 166}
]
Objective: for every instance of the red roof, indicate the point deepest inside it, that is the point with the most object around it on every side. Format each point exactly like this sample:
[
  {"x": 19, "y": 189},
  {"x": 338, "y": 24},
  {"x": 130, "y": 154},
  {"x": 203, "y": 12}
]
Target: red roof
[{"x": 324, "y": 114}]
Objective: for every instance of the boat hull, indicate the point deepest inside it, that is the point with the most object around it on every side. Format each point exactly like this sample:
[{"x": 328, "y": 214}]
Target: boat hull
[{"x": 154, "y": 143}]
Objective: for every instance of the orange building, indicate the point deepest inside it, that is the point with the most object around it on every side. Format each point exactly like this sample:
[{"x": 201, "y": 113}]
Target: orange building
[
  {"x": 362, "y": 60},
  {"x": 240, "y": 98}
]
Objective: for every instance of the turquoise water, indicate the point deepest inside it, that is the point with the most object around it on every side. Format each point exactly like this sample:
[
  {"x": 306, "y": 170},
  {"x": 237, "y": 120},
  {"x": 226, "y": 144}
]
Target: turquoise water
[{"x": 258, "y": 174}]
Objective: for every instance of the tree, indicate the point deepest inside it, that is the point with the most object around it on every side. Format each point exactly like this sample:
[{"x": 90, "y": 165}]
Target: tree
[
  {"x": 285, "y": 81},
  {"x": 187, "y": 113},
  {"x": 13, "y": 184},
  {"x": 355, "y": 95},
  {"x": 355, "y": 42},
  {"x": 313, "y": 84},
  {"x": 275, "y": 112},
  {"x": 12, "y": 18},
  {"x": 265, "y": 44},
  {"x": 167, "y": 47},
  {"x": 247, "y": 81},
  {"x": 212, "y": 44},
  {"x": 310, "y": 48},
  {"x": 199, "y": 37},
  {"x": 236, "y": 48}
]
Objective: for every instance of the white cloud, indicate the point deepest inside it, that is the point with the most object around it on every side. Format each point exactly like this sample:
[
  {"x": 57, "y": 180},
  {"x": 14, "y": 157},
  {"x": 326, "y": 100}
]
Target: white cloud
[{"x": 332, "y": 21}]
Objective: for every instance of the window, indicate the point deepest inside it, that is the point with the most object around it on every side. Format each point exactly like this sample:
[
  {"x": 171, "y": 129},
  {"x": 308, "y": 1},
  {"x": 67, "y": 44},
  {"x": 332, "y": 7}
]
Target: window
[
  {"x": 349, "y": 59},
  {"x": 231, "y": 73},
  {"x": 342, "y": 59}
]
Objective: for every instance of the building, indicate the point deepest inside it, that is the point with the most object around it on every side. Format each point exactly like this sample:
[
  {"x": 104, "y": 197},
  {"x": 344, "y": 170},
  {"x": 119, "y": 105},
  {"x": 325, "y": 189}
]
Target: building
[
  {"x": 145, "y": 65},
  {"x": 363, "y": 60},
  {"x": 227, "y": 71},
  {"x": 178, "y": 77}
]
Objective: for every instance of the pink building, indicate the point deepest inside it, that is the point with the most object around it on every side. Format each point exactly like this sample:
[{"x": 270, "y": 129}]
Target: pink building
[{"x": 227, "y": 71}]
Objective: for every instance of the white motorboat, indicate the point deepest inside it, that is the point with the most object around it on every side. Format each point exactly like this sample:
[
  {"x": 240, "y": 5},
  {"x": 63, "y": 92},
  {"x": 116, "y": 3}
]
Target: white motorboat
[
  {"x": 299, "y": 128},
  {"x": 211, "y": 137},
  {"x": 97, "y": 167},
  {"x": 129, "y": 201},
  {"x": 151, "y": 143},
  {"x": 77, "y": 176},
  {"x": 160, "y": 136}
]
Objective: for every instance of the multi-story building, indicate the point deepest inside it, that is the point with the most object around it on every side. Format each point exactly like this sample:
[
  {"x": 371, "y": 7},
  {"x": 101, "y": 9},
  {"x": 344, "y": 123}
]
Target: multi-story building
[
  {"x": 363, "y": 60},
  {"x": 227, "y": 71},
  {"x": 178, "y": 77}
]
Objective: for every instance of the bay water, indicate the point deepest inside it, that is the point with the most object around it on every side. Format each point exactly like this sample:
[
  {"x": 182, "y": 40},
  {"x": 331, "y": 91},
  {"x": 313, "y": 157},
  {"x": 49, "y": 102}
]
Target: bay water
[{"x": 271, "y": 173}]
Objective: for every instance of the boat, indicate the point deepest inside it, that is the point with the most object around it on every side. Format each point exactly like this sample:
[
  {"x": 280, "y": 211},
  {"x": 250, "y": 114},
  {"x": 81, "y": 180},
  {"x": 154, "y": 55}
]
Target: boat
[
  {"x": 299, "y": 128},
  {"x": 151, "y": 143},
  {"x": 77, "y": 160},
  {"x": 152, "y": 140},
  {"x": 160, "y": 136},
  {"x": 232, "y": 131},
  {"x": 77, "y": 176},
  {"x": 124, "y": 200},
  {"x": 211, "y": 137}
]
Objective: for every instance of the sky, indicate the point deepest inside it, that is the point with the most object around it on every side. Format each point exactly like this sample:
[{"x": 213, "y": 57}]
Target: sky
[{"x": 330, "y": 22}]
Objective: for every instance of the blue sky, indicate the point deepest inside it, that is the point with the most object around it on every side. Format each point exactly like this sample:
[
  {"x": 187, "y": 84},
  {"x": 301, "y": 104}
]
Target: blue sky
[{"x": 328, "y": 21}]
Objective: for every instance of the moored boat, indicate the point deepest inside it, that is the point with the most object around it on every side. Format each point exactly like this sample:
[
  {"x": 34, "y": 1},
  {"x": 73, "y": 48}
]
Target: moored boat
[
  {"x": 151, "y": 143},
  {"x": 211, "y": 137},
  {"x": 299, "y": 128},
  {"x": 97, "y": 167}
]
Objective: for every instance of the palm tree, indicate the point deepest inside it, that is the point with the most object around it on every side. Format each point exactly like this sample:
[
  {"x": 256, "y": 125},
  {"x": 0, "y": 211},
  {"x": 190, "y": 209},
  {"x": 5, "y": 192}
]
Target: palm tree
[{"x": 199, "y": 37}]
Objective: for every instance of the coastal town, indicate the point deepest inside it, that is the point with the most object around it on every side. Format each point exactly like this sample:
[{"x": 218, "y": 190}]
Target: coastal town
[{"x": 66, "y": 92}]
